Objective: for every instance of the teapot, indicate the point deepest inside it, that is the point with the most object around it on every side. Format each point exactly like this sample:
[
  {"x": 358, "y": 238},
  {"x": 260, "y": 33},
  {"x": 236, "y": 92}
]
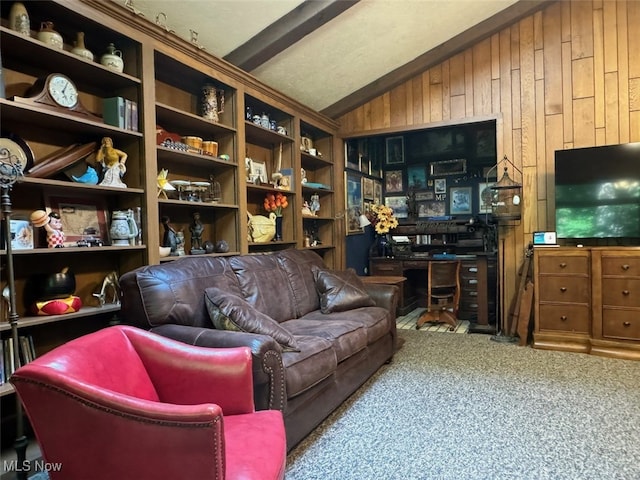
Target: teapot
[
  {"x": 261, "y": 228},
  {"x": 112, "y": 59},
  {"x": 124, "y": 229}
]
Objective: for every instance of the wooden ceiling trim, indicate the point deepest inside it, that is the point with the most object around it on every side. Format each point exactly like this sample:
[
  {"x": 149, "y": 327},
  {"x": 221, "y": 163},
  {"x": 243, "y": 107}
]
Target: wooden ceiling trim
[
  {"x": 280, "y": 35},
  {"x": 436, "y": 55}
]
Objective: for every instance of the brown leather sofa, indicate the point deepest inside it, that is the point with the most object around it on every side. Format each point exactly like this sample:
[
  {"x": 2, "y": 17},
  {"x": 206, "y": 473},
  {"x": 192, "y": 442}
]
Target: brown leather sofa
[{"x": 322, "y": 334}]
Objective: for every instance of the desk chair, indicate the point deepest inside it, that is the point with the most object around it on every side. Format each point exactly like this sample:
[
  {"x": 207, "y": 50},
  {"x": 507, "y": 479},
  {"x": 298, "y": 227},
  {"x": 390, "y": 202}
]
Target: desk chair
[{"x": 443, "y": 293}]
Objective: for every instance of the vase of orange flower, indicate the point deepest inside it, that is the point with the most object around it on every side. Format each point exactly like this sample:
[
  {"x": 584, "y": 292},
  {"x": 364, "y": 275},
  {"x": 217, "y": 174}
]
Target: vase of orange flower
[
  {"x": 276, "y": 203},
  {"x": 383, "y": 221}
]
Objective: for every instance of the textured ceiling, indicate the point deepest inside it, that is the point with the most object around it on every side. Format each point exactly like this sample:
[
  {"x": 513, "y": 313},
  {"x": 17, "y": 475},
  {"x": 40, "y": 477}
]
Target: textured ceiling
[{"x": 331, "y": 54}]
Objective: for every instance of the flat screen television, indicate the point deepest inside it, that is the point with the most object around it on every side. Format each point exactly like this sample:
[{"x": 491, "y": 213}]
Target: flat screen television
[{"x": 597, "y": 195}]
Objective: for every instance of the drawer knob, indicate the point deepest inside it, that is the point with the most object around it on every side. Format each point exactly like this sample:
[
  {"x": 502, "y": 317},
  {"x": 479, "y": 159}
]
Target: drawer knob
[
  {"x": 625, "y": 292},
  {"x": 626, "y": 324},
  {"x": 626, "y": 267},
  {"x": 563, "y": 265},
  {"x": 563, "y": 318},
  {"x": 563, "y": 289}
]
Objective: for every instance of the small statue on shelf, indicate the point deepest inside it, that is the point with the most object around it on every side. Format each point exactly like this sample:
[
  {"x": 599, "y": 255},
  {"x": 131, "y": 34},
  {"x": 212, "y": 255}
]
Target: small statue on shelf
[
  {"x": 170, "y": 238},
  {"x": 196, "y": 230},
  {"x": 113, "y": 164},
  {"x": 315, "y": 204},
  {"x": 52, "y": 223}
]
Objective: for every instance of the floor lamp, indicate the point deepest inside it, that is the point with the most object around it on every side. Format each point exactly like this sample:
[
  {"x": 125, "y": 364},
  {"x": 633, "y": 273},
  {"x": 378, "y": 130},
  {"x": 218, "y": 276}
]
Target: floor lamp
[
  {"x": 506, "y": 205},
  {"x": 10, "y": 171}
]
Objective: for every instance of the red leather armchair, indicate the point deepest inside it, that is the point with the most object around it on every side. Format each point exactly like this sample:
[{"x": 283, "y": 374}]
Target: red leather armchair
[{"x": 128, "y": 404}]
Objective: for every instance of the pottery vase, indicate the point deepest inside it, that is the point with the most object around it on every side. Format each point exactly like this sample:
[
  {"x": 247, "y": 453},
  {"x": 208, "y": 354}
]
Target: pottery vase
[
  {"x": 112, "y": 59},
  {"x": 48, "y": 35},
  {"x": 381, "y": 246},
  {"x": 80, "y": 49},
  {"x": 19, "y": 19},
  {"x": 278, "y": 236},
  {"x": 212, "y": 102}
]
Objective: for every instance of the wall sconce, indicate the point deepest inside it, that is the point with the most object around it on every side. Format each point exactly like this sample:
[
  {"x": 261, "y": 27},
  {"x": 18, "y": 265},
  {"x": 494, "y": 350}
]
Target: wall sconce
[
  {"x": 506, "y": 194},
  {"x": 363, "y": 221}
]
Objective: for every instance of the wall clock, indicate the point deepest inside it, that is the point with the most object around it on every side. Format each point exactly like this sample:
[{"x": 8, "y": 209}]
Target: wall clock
[{"x": 56, "y": 91}]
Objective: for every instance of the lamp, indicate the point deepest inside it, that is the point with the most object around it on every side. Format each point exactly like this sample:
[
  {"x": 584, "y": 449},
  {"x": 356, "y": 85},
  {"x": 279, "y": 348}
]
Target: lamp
[
  {"x": 10, "y": 171},
  {"x": 363, "y": 221}
]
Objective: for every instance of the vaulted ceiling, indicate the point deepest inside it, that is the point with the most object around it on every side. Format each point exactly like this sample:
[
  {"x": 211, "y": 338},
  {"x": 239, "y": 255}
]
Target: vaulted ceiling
[{"x": 333, "y": 55}]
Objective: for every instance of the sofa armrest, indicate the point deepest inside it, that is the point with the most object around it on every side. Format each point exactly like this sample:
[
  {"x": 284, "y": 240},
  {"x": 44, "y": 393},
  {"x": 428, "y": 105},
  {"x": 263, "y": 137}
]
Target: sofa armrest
[
  {"x": 269, "y": 386},
  {"x": 385, "y": 296}
]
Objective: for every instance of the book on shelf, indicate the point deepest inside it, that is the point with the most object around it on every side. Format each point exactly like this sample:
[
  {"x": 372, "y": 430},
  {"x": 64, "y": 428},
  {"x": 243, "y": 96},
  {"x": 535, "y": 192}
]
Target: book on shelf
[{"x": 26, "y": 353}]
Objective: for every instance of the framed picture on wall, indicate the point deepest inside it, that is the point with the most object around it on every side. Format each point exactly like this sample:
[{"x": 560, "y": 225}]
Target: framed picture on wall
[
  {"x": 484, "y": 197},
  {"x": 352, "y": 155},
  {"x": 417, "y": 177},
  {"x": 449, "y": 167},
  {"x": 460, "y": 201},
  {"x": 431, "y": 209},
  {"x": 377, "y": 193},
  {"x": 395, "y": 150},
  {"x": 367, "y": 188},
  {"x": 398, "y": 204},
  {"x": 393, "y": 181},
  {"x": 440, "y": 185},
  {"x": 353, "y": 196}
]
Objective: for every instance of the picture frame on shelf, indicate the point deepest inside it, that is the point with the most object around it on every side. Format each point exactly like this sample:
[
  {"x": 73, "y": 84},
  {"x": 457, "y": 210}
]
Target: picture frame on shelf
[
  {"x": 484, "y": 197},
  {"x": 393, "y": 181},
  {"x": 395, "y": 150},
  {"x": 439, "y": 186},
  {"x": 456, "y": 166},
  {"x": 258, "y": 170},
  {"x": 353, "y": 196},
  {"x": 21, "y": 234},
  {"x": 460, "y": 201},
  {"x": 81, "y": 216},
  {"x": 367, "y": 188}
]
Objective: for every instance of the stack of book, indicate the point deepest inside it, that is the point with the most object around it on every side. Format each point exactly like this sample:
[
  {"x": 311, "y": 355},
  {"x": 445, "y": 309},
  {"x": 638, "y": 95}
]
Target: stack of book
[{"x": 26, "y": 353}]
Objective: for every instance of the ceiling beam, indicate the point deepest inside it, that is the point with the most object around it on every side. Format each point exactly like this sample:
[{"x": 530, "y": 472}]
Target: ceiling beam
[
  {"x": 299, "y": 22},
  {"x": 436, "y": 56}
]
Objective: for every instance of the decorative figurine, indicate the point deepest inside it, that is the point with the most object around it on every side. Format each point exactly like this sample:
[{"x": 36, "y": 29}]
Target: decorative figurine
[
  {"x": 196, "y": 230},
  {"x": 113, "y": 164},
  {"x": 164, "y": 185},
  {"x": 315, "y": 204},
  {"x": 90, "y": 176},
  {"x": 170, "y": 238},
  {"x": 52, "y": 223}
]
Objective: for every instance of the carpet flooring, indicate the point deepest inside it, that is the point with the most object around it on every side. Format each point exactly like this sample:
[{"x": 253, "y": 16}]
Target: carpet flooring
[{"x": 464, "y": 407}]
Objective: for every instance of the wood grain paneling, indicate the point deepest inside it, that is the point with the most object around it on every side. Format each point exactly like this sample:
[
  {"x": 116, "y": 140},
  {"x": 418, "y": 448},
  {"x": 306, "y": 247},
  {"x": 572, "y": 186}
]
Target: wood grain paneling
[{"x": 568, "y": 76}]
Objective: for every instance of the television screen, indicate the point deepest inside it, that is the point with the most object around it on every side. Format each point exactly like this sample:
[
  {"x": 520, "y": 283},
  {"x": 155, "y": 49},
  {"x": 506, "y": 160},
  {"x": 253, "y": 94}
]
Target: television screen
[{"x": 597, "y": 193}]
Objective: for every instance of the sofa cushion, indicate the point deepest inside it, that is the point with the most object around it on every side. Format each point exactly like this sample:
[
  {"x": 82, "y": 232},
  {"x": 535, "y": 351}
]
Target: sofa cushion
[
  {"x": 340, "y": 290},
  {"x": 265, "y": 285},
  {"x": 315, "y": 361},
  {"x": 297, "y": 264},
  {"x": 230, "y": 312},
  {"x": 346, "y": 337},
  {"x": 375, "y": 320}
]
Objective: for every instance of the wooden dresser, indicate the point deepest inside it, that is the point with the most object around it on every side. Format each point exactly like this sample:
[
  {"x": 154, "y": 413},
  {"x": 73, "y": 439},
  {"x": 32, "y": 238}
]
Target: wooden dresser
[{"x": 588, "y": 300}]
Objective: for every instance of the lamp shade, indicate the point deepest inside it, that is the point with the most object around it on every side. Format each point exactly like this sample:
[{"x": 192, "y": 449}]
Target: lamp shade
[{"x": 363, "y": 221}]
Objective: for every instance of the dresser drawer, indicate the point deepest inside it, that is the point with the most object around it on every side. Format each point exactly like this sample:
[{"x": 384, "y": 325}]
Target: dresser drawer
[
  {"x": 566, "y": 318},
  {"x": 623, "y": 324},
  {"x": 627, "y": 266},
  {"x": 560, "y": 264},
  {"x": 382, "y": 268},
  {"x": 621, "y": 292},
  {"x": 563, "y": 289}
]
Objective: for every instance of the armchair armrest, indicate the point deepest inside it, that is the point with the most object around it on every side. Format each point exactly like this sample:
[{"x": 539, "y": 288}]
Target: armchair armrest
[
  {"x": 268, "y": 370},
  {"x": 385, "y": 296}
]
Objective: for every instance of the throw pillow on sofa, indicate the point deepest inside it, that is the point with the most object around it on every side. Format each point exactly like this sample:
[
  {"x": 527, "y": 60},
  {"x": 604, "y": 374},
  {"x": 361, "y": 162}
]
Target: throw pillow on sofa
[
  {"x": 340, "y": 290},
  {"x": 230, "y": 312}
]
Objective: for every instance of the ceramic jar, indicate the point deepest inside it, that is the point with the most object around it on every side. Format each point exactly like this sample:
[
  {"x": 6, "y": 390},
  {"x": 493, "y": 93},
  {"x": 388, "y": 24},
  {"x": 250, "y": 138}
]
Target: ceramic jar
[
  {"x": 112, "y": 59},
  {"x": 212, "y": 102},
  {"x": 49, "y": 36},
  {"x": 123, "y": 228},
  {"x": 80, "y": 50},
  {"x": 19, "y": 19}
]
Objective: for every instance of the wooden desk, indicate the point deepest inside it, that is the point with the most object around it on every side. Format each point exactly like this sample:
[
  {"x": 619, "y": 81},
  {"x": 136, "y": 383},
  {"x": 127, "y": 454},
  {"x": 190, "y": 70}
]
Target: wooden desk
[
  {"x": 389, "y": 280},
  {"x": 477, "y": 278}
]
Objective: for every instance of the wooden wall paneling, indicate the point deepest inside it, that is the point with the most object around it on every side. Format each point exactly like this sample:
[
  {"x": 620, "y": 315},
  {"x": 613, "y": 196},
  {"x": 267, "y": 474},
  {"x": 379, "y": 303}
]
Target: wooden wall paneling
[
  {"x": 416, "y": 87},
  {"x": 623, "y": 70},
  {"x": 554, "y": 141},
  {"x": 633, "y": 18},
  {"x": 456, "y": 74},
  {"x": 496, "y": 97},
  {"x": 527, "y": 92},
  {"x": 610, "y": 35},
  {"x": 505, "y": 92},
  {"x": 541, "y": 150},
  {"x": 482, "y": 78},
  {"x": 446, "y": 92},
  {"x": 516, "y": 105},
  {"x": 468, "y": 82},
  {"x": 581, "y": 30},
  {"x": 598, "y": 68},
  {"x": 552, "y": 59},
  {"x": 530, "y": 199},
  {"x": 426, "y": 96},
  {"x": 584, "y": 132},
  {"x": 408, "y": 110},
  {"x": 582, "y": 78},
  {"x": 567, "y": 95},
  {"x": 435, "y": 91},
  {"x": 398, "y": 106},
  {"x": 386, "y": 107}
]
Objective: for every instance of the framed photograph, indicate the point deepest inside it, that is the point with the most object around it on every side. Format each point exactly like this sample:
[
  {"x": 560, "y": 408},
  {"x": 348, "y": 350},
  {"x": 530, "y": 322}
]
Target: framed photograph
[
  {"x": 365, "y": 165},
  {"x": 21, "y": 234},
  {"x": 448, "y": 167},
  {"x": 417, "y": 177},
  {"x": 393, "y": 181},
  {"x": 81, "y": 216},
  {"x": 395, "y": 150},
  {"x": 352, "y": 155},
  {"x": 398, "y": 204},
  {"x": 367, "y": 188},
  {"x": 377, "y": 193},
  {"x": 431, "y": 209},
  {"x": 460, "y": 201},
  {"x": 259, "y": 170},
  {"x": 440, "y": 185},
  {"x": 421, "y": 196},
  {"x": 353, "y": 196},
  {"x": 484, "y": 197}
]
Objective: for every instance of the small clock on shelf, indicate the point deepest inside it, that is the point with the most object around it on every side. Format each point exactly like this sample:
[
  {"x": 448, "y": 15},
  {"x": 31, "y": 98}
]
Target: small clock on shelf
[{"x": 56, "y": 91}]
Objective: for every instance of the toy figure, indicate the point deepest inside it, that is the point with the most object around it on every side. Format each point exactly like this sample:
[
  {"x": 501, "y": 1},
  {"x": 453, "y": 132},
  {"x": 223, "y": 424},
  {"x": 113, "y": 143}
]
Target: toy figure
[
  {"x": 113, "y": 164},
  {"x": 196, "y": 230},
  {"x": 315, "y": 203},
  {"x": 52, "y": 223}
]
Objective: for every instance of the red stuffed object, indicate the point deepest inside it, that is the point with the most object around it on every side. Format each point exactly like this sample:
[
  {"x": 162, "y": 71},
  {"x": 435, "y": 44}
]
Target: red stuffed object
[{"x": 57, "y": 306}]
